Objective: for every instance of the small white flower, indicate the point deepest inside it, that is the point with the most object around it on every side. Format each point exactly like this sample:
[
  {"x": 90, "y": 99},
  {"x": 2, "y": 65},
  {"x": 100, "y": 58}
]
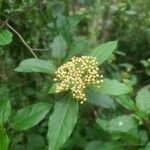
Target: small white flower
[{"x": 76, "y": 75}]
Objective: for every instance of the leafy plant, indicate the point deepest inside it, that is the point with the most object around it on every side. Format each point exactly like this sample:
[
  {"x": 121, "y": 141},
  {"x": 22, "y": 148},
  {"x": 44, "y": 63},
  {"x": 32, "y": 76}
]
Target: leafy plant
[
  {"x": 37, "y": 111},
  {"x": 64, "y": 117}
]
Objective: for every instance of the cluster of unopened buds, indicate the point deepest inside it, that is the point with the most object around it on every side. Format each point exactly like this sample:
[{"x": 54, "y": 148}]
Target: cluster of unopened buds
[{"x": 76, "y": 75}]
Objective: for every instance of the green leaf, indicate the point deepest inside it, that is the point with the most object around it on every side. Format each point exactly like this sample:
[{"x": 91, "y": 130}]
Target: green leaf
[
  {"x": 126, "y": 102},
  {"x": 99, "y": 99},
  {"x": 102, "y": 123},
  {"x": 59, "y": 47},
  {"x": 29, "y": 116},
  {"x": 94, "y": 145},
  {"x": 143, "y": 135},
  {"x": 4, "y": 140},
  {"x": 112, "y": 87},
  {"x": 143, "y": 99},
  {"x": 130, "y": 12},
  {"x": 112, "y": 146},
  {"x": 61, "y": 23},
  {"x": 74, "y": 21},
  {"x": 35, "y": 141},
  {"x": 145, "y": 63},
  {"x": 52, "y": 89},
  {"x": 62, "y": 122},
  {"x": 147, "y": 147},
  {"x": 103, "y": 51},
  {"x": 122, "y": 124},
  {"x": 132, "y": 137},
  {"x": 36, "y": 65},
  {"x": 58, "y": 9},
  {"x": 98, "y": 145},
  {"x": 140, "y": 115},
  {"x": 5, "y": 109},
  {"x": 79, "y": 47},
  {"x": 5, "y": 37}
]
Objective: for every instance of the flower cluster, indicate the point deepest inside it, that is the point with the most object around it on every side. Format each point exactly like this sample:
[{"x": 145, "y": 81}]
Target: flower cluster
[{"x": 76, "y": 75}]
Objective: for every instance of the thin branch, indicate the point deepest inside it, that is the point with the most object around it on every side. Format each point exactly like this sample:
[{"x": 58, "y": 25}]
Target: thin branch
[{"x": 19, "y": 35}]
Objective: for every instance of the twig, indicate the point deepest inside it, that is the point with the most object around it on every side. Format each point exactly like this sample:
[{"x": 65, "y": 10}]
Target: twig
[{"x": 23, "y": 41}]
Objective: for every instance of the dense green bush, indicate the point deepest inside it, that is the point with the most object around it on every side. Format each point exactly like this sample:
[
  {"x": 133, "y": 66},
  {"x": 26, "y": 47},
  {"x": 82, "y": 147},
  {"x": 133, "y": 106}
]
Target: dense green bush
[{"x": 39, "y": 36}]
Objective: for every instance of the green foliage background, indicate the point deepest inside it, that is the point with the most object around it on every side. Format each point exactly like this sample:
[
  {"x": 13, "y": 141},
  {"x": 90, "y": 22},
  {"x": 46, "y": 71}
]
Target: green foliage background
[{"x": 57, "y": 30}]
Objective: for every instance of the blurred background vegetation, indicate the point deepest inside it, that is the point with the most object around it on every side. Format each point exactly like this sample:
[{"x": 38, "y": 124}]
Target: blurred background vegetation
[{"x": 84, "y": 24}]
